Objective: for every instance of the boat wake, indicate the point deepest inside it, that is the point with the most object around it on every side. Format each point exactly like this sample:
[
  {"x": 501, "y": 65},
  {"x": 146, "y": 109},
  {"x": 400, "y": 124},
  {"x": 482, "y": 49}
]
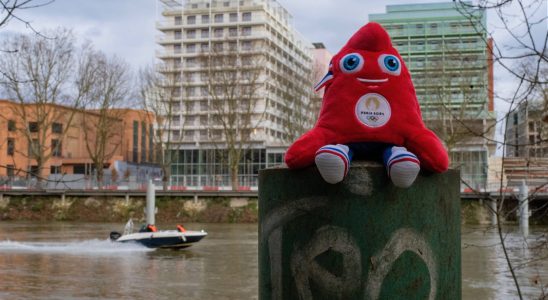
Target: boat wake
[{"x": 86, "y": 247}]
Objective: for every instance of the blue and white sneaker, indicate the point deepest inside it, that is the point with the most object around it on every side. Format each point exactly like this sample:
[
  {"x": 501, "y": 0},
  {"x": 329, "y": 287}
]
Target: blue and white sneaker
[
  {"x": 402, "y": 166},
  {"x": 333, "y": 162}
]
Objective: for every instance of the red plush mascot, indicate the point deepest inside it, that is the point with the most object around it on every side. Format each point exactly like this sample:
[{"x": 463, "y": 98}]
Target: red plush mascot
[{"x": 369, "y": 111}]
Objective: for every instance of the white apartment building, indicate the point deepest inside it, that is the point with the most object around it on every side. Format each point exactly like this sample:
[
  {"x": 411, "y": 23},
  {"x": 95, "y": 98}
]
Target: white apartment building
[{"x": 236, "y": 62}]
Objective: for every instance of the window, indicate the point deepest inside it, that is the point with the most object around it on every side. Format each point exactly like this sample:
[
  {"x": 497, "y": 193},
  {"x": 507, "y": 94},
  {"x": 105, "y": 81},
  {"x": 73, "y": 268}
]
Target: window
[
  {"x": 177, "y": 35},
  {"x": 56, "y": 148},
  {"x": 57, "y": 128},
  {"x": 246, "y": 45},
  {"x": 191, "y": 34},
  {"x": 191, "y": 91},
  {"x": 11, "y": 125},
  {"x": 79, "y": 169},
  {"x": 219, "y": 18},
  {"x": 135, "y": 141},
  {"x": 515, "y": 119},
  {"x": 233, "y": 17},
  {"x": 178, "y": 20},
  {"x": 11, "y": 146},
  {"x": 218, "y": 32},
  {"x": 191, "y": 48},
  {"x": 191, "y": 62},
  {"x": 150, "y": 143},
  {"x": 218, "y": 47},
  {"x": 33, "y": 126},
  {"x": 246, "y": 31},
  {"x": 205, "y": 19},
  {"x": 191, "y": 20},
  {"x": 33, "y": 171},
  {"x": 246, "y": 17},
  {"x": 204, "y": 47},
  {"x": 232, "y": 46},
  {"x": 143, "y": 141},
  {"x": 34, "y": 146},
  {"x": 226, "y": 4},
  {"x": 177, "y": 48},
  {"x": 177, "y": 62},
  {"x": 55, "y": 169},
  {"x": 205, "y": 33},
  {"x": 175, "y": 134},
  {"x": 232, "y": 31},
  {"x": 10, "y": 170}
]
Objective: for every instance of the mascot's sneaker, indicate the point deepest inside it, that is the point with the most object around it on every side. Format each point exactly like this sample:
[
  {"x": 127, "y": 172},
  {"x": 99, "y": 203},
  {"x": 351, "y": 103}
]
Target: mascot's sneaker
[
  {"x": 402, "y": 166},
  {"x": 333, "y": 162}
]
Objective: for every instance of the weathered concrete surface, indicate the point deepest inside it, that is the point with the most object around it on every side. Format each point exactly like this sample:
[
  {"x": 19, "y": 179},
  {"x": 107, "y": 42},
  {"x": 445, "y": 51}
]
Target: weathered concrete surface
[{"x": 359, "y": 239}]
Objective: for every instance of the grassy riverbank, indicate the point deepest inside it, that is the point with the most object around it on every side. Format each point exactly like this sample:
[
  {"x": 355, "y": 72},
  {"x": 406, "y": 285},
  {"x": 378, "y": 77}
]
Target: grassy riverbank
[
  {"x": 186, "y": 209},
  {"x": 119, "y": 209}
]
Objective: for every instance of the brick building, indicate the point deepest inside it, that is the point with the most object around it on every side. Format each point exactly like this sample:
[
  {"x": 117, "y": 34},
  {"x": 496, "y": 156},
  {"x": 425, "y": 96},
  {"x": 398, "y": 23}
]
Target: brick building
[{"x": 66, "y": 138}]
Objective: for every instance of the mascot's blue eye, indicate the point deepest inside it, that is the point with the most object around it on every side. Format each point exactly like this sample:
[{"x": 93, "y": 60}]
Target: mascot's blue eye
[
  {"x": 351, "y": 63},
  {"x": 390, "y": 64}
]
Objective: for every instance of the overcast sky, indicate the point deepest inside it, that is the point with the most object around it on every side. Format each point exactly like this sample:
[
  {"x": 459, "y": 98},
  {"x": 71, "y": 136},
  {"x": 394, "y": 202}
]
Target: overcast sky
[{"x": 127, "y": 27}]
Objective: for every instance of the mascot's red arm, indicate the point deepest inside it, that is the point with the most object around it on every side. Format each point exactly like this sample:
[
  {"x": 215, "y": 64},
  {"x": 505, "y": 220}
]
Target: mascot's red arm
[
  {"x": 429, "y": 150},
  {"x": 301, "y": 153}
]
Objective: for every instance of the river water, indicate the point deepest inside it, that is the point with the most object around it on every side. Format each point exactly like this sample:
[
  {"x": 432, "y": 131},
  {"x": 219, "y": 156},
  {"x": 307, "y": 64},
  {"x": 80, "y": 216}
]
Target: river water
[{"x": 77, "y": 261}]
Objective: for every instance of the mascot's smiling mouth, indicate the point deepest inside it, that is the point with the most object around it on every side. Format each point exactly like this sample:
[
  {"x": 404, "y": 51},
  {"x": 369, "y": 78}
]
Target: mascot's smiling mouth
[{"x": 373, "y": 80}]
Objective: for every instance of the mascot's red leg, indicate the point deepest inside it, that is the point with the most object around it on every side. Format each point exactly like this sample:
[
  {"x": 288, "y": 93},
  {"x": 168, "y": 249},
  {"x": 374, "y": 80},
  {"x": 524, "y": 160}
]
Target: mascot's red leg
[
  {"x": 429, "y": 150},
  {"x": 302, "y": 153}
]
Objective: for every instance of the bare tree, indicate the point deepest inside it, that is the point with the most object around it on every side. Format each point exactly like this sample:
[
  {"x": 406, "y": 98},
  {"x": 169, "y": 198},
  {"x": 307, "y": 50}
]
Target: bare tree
[
  {"x": 457, "y": 110},
  {"x": 9, "y": 10},
  {"x": 236, "y": 108},
  {"x": 108, "y": 91},
  {"x": 524, "y": 42},
  {"x": 301, "y": 102},
  {"x": 37, "y": 78},
  {"x": 160, "y": 91}
]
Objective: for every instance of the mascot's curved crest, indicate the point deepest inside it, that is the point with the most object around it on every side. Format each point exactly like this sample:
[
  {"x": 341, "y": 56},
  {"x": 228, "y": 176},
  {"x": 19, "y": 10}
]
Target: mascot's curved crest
[{"x": 369, "y": 110}]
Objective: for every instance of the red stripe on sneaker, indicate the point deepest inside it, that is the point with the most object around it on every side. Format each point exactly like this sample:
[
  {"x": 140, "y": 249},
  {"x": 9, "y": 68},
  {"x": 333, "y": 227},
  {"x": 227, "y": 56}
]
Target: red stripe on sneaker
[
  {"x": 337, "y": 154},
  {"x": 402, "y": 159}
]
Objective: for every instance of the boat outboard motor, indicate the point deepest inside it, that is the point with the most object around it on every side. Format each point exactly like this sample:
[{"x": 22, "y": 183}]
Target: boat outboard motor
[{"x": 114, "y": 235}]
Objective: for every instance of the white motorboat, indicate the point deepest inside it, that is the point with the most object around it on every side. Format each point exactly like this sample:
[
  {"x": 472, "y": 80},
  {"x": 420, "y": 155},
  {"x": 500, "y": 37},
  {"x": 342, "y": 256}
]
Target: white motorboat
[{"x": 150, "y": 237}]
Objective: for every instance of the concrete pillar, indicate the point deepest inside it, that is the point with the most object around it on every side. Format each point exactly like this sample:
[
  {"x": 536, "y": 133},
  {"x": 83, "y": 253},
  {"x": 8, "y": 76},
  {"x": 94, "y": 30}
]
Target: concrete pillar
[
  {"x": 151, "y": 199},
  {"x": 363, "y": 238},
  {"x": 493, "y": 210},
  {"x": 523, "y": 202}
]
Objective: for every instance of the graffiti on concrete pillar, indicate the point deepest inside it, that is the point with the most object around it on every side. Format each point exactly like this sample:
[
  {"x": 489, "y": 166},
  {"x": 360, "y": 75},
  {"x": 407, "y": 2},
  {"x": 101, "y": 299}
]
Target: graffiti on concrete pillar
[
  {"x": 271, "y": 230},
  {"x": 404, "y": 239},
  {"x": 304, "y": 266}
]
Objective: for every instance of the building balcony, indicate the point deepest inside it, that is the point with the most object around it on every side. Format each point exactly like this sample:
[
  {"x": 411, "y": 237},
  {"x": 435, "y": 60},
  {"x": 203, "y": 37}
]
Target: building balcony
[
  {"x": 168, "y": 54},
  {"x": 168, "y": 39},
  {"x": 168, "y": 25},
  {"x": 165, "y": 68}
]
